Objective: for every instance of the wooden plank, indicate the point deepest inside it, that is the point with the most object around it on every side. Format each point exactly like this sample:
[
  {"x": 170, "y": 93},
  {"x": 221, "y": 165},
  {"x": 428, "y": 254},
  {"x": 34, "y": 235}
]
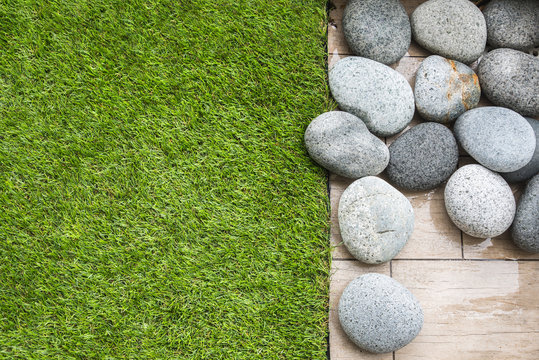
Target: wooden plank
[
  {"x": 434, "y": 234},
  {"x": 341, "y": 348},
  {"x": 473, "y": 309},
  {"x": 499, "y": 247}
]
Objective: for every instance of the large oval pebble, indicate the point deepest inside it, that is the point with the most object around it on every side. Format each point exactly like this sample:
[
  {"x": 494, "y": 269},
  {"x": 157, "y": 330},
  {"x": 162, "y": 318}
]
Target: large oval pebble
[
  {"x": 498, "y": 138},
  {"x": 341, "y": 143},
  {"x": 525, "y": 229},
  {"x": 512, "y": 23},
  {"x": 454, "y": 29},
  {"x": 531, "y": 168},
  {"x": 510, "y": 78},
  {"x": 444, "y": 89},
  {"x": 423, "y": 157},
  {"x": 379, "y": 314},
  {"x": 479, "y": 201},
  {"x": 374, "y": 92},
  {"x": 375, "y": 220},
  {"x": 378, "y": 30}
]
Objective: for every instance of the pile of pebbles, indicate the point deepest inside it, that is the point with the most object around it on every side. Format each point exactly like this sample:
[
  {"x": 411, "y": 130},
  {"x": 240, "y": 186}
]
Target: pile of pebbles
[{"x": 375, "y": 218}]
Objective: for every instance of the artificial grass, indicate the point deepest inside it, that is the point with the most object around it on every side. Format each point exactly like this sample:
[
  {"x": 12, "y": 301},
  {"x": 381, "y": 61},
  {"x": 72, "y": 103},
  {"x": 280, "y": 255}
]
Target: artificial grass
[{"x": 156, "y": 199}]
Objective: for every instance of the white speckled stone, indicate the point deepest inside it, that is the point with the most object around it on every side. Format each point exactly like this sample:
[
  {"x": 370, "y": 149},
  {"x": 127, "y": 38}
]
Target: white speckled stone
[
  {"x": 498, "y": 138},
  {"x": 510, "y": 78},
  {"x": 532, "y": 168},
  {"x": 525, "y": 229},
  {"x": 454, "y": 29},
  {"x": 479, "y": 201},
  {"x": 375, "y": 220},
  {"x": 445, "y": 89},
  {"x": 378, "y": 30},
  {"x": 379, "y": 314},
  {"x": 512, "y": 24},
  {"x": 374, "y": 92},
  {"x": 341, "y": 143}
]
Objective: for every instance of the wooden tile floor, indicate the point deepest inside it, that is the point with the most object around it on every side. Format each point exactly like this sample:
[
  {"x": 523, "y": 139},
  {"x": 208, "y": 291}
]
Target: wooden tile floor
[{"x": 480, "y": 297}]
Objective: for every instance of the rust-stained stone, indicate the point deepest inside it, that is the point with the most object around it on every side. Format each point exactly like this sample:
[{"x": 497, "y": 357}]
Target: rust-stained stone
[{"x": 445, "y": 89}]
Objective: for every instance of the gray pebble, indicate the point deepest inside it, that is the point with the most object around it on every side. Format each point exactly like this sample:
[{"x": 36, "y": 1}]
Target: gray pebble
[
  {"x": 375, "y": 220},
  {"x": 423, "y": 157},
  {"x": 374, "y": 92},
  {"x": 454, "y": 29},
  {"x": 510, "y": 78},
  {"x": 531, "y": 168},
  {"x": 512, "y": 24},
  {"x": 498, "y": 138},
  {"x": 444, "y": 89},
  {"x": 378, "y": 30},
  {"x": 379, "y": 314},
  {"x": 479, "y": 201},
  {"x": 525, "y": 229},
  {"x": 341, "y": 143}
]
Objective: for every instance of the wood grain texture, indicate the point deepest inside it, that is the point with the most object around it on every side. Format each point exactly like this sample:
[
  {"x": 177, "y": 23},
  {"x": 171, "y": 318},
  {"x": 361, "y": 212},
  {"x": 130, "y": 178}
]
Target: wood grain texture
[
  {"x": 340, "y": 346},
  {"x": 473, "y": 309},
  {"x": 434, "y": 234}
]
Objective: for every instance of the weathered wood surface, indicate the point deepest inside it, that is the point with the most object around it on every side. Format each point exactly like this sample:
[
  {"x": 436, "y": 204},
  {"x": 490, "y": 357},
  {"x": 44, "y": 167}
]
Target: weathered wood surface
[{"x": 474, "y": 309}]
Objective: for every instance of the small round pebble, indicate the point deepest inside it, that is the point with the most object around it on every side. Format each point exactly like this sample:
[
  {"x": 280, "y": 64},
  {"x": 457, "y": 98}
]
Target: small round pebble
[
  {"x": 525, "y": 229},
  {"x": 454, "y": 29},
  {"x": 423, "y": 157},
  {"x": 444, "y": 89},
  {"x": 532, "y": 168},
  {"x": 378, "y": 30},
  {"x": 341, "y": 143},
  {"x": 479, "y": 201},
  {"x": 379, "y": 314},
  {"x": 512, "y": 24},
  {"x": 375, "y": 220},
  {"x": 498, "y": 138},
  {"x": 510, "y": 78},
  {"x": 374, "y": 92}
]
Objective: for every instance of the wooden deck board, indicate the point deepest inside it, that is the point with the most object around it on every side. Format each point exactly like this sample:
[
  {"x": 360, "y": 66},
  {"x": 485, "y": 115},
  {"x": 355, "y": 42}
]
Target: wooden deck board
[
  {"x": 476, "y": 305},
  {"x": 434, "y": 235},
  {"x": 342, "y": 273},
  {"x": 473, "y": 309}
]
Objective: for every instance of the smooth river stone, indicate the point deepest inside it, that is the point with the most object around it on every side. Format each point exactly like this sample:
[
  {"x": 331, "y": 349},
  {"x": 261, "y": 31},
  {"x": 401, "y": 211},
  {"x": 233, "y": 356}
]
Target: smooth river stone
[
  {"x": 445, "y": 89},
  {"x": 454, "y": 29},
  {"x": 525, "y": 229},
  {"x": 510, "y": 78},
  {"x": 423, "y": 157},
  {"x": 374, "y": 92},
  {"x": 341, "y": 143},
  {"x": 498, "y": 138},
  {"x": 479, "y": 201},
  {"x": 531, "y": 168},
  {"x": 512, "y": 24},
  {"x": 375, "y": 220},
  {"x": 379, "y": 314},
  {"x": 378, "y": 30}
]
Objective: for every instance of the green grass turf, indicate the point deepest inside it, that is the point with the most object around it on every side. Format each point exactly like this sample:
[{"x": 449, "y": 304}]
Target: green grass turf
[{"x": 156, "y": 199}]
